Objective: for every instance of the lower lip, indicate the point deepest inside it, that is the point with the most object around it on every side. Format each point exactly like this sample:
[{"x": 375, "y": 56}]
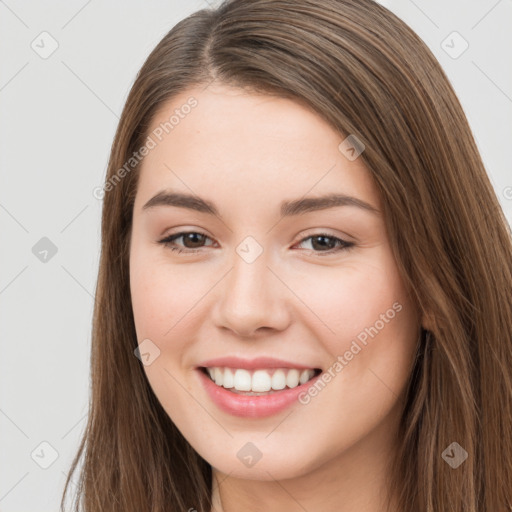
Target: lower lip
[{"x": 253, "y": 406}]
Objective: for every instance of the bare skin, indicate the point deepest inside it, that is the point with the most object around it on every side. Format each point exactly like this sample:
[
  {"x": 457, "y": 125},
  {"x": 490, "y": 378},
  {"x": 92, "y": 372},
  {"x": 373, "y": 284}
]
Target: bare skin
[{"x": 247, "y": 153}]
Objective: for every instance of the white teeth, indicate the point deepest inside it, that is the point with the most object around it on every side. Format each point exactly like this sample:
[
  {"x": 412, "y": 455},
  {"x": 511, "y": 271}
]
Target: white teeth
[
  {"x": 279, "y": 380},
  {"x": 242, "y": 380},
  {"x": 292, "y": 379},
  {"x": 259, "y": 381},
  {"x": 219, "y": 376},
  {"x": 229, "y": 379},
  {"x": 304, "y": 377}
]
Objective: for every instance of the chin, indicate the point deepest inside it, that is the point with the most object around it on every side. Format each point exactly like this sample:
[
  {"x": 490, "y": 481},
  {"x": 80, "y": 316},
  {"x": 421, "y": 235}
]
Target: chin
[{"x": 270, "y": 466}]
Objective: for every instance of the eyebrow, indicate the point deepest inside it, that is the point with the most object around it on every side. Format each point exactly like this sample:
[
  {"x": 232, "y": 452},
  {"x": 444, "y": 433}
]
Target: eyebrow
[{"x": 287, "y": 209}]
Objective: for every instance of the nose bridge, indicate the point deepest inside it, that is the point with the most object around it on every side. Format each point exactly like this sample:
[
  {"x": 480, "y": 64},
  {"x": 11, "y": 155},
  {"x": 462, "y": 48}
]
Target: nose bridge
[
  {"x": 249, "y": 277},
  {"x": 250, "y": 294}
]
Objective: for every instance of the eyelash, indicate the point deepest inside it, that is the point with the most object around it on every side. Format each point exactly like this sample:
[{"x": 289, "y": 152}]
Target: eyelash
[{"x": 167, "y": 242}]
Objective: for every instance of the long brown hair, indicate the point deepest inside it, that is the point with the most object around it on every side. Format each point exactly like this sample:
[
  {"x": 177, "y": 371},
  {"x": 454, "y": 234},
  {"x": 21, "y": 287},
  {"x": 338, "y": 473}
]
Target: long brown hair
[{"x": 366, "y": 73}]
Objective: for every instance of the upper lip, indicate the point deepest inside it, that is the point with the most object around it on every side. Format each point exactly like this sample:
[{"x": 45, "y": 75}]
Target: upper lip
[{"x": 252, "y": 364}]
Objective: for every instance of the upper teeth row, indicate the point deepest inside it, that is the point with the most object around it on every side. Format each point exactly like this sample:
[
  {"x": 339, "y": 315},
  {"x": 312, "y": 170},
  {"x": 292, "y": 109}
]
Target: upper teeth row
[{"x": 259, "y": 380}]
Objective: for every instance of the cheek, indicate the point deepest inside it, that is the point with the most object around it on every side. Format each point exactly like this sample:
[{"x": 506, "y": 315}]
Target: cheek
[
  {"x": 161, "y": 295},
  {"x": 162, "y": 298},
  {"x": 367, "y": 318},
  {"x": 349, "y": 299}
]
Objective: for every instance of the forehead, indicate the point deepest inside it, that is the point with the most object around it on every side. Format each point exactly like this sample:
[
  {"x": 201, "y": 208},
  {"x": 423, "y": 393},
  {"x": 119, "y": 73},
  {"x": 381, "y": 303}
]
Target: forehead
[{"x": 226, "y": 142}]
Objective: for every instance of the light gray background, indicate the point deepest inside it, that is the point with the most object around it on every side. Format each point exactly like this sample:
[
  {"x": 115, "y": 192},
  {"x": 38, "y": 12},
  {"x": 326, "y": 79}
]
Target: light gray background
[{"x": 57, "y": 121}]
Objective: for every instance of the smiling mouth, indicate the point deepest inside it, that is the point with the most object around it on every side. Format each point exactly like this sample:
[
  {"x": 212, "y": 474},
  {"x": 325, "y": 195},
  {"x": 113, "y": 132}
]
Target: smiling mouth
[{"x": 257, "y": 382}]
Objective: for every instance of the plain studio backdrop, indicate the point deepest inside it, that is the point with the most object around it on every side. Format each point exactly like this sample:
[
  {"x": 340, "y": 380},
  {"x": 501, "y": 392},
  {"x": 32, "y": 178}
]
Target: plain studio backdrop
[{"x": 66, "y": 69}]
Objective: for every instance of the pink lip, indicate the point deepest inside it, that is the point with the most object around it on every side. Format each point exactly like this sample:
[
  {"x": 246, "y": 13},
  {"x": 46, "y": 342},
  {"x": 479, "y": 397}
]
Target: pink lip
[
  {"x": 252, "y": 406},
  {"x": 252, "y": 364}
]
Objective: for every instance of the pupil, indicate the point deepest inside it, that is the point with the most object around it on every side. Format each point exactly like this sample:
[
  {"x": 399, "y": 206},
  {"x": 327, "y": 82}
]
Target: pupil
[
  {"x": 323, "y": 245},
  {"x": 190, "y": 237}
]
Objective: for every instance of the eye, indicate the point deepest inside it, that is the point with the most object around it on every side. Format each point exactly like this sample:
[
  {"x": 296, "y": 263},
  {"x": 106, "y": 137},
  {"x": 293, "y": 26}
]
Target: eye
[
  {"x": 196, "y": 239},
  {"x": 192, "y": 237},
  {"x": 323, "y": 240}
]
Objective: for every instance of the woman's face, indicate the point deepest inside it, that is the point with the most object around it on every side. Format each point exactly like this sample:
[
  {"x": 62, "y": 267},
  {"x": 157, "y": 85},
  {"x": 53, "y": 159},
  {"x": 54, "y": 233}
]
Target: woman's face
[{"x": 272, "y": 283}]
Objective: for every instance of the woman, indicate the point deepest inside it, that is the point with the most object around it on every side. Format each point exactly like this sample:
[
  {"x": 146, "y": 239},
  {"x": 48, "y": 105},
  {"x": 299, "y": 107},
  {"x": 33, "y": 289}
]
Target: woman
[{"x": 303, "y": 299}]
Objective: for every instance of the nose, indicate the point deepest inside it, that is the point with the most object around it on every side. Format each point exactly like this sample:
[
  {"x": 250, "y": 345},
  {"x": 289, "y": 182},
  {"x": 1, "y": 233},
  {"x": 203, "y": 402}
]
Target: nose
[{"x": 252, "y": 300}]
